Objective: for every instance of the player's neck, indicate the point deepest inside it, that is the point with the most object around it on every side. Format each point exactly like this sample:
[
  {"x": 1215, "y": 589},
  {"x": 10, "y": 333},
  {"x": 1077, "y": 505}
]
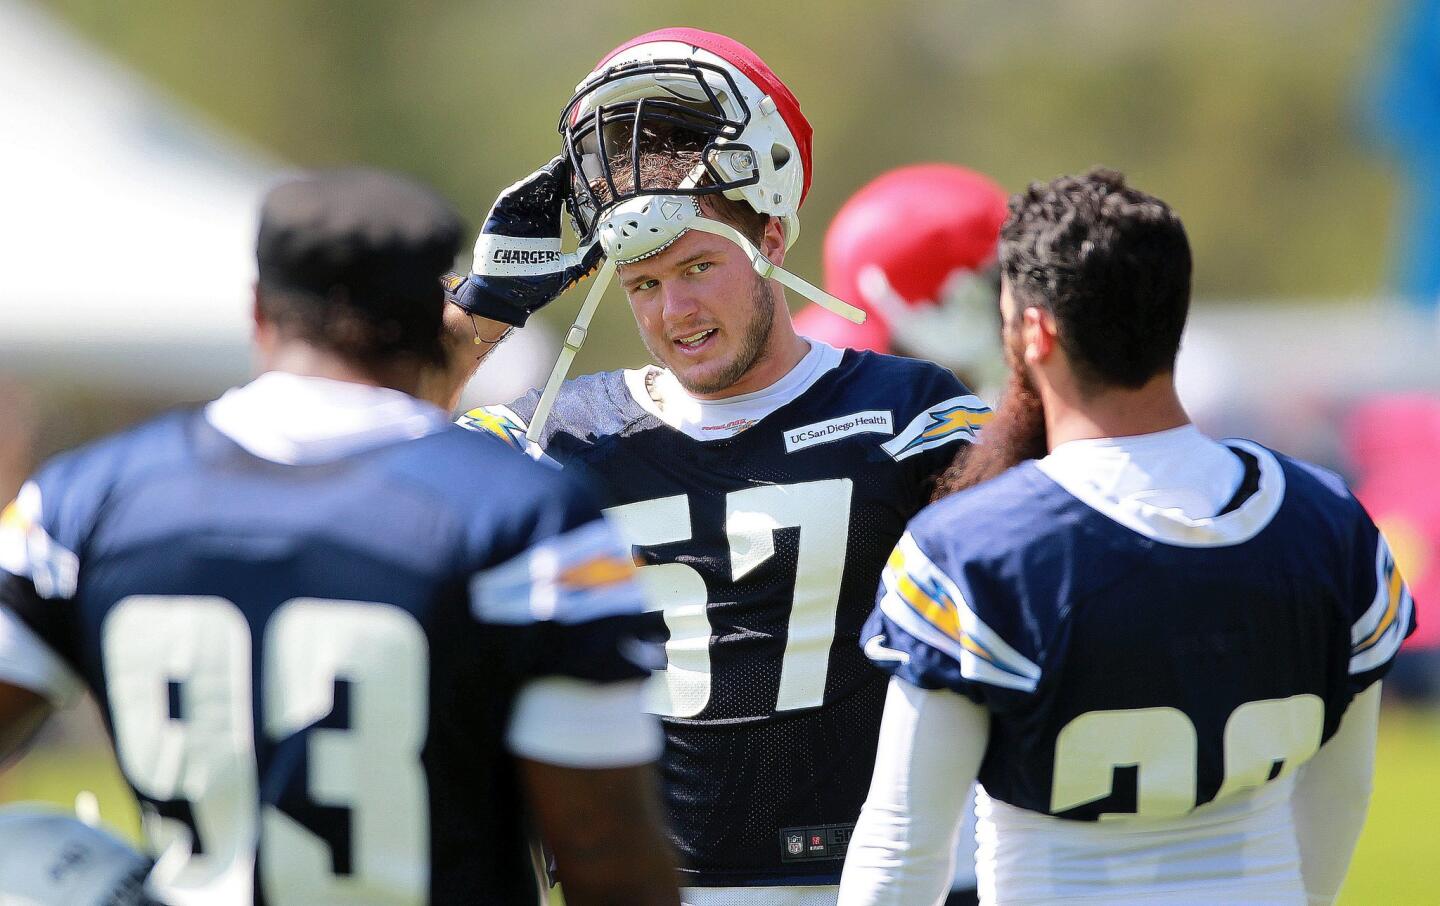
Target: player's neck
[
  {"x": 1116, "y": 412},
  {"x": 312, "y": 361},
  {"x": 785, "y": 350}
]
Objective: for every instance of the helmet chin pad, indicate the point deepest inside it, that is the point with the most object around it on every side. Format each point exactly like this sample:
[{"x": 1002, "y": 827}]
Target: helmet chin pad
[{"x": 646, "y": 225}]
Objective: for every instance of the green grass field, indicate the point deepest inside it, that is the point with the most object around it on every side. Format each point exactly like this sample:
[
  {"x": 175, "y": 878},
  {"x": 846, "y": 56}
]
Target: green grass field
[
  {"x": 1398, "y": 859},
  {"x": 1397, "y": 862}
]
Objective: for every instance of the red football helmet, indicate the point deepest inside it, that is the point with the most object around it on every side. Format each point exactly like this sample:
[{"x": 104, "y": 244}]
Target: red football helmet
[
  {"x": 710, "y": 93},
  {"x": 693, "y": 91},
  {"x": 915, "y": 248}
]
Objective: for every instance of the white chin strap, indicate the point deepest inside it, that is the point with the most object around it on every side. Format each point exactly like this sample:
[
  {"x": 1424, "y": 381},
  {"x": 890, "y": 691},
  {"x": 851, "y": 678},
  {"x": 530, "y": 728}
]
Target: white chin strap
[
  {"x": 645, "y": 226},
  {"x": 772, "y": 271},
  {"x": 574, "y": 339}
]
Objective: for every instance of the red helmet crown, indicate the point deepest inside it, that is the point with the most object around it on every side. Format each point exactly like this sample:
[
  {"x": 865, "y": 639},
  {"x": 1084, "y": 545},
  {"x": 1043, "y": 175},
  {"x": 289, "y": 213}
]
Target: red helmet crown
[
  {"x": 749, "y": 63},
  {"x": 918, "y": 224}
]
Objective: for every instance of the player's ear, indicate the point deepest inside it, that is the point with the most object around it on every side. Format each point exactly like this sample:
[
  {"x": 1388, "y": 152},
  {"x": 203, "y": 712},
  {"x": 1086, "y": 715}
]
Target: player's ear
[
  {"x": 772, "y": 241},
  {"x": 264, "y": 327},
  {"x": 1037, "y": 330},
  {"x": 256, "y": 314}
]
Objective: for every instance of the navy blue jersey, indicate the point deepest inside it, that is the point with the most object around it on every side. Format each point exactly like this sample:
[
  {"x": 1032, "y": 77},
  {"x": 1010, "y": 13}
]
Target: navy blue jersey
[
  {"x": 763, "y": 551},
  {"x": 308, "y": 670},
  {"x": 1132, "y": 668}
]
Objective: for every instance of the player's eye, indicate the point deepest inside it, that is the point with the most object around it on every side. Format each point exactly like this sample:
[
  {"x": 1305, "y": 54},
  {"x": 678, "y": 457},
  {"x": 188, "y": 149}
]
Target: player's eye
[
  {"x": 647, "y": 284},
  {"x": 700, "y": 267}
]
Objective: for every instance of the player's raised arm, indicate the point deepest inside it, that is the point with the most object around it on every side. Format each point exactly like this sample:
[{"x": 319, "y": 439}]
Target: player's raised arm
[{"x": 519, "y": 267}]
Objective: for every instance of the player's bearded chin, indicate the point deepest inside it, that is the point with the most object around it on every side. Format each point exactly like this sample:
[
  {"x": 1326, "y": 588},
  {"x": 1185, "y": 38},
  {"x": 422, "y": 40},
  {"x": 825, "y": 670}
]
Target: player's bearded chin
[
  {"x": 1015, "y": 434},
  {"x": 753, "y": 345}
]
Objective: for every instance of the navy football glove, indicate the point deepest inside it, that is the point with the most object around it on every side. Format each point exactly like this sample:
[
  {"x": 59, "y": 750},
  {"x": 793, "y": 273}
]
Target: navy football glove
[{"x": 519, "y": 267}]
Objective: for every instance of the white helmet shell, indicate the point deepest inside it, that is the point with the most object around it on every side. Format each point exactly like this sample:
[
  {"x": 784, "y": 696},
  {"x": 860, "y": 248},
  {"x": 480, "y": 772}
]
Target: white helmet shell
[{"x": 753, "y": 139}]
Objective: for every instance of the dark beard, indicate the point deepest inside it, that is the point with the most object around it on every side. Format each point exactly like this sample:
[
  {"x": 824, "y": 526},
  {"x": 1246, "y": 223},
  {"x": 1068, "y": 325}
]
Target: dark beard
[
  {"x": 1015, "y": 434},
  {"x": 752, "y": 347}
]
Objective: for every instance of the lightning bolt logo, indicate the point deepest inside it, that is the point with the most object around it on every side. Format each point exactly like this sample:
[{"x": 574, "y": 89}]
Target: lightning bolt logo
[
  {"x": 498, "y": 425},
  {"x": 945, "y": 422}
]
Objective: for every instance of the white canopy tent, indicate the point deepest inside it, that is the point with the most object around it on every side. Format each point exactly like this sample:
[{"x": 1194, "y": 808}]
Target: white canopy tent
[{"x": 127, "y": 229}]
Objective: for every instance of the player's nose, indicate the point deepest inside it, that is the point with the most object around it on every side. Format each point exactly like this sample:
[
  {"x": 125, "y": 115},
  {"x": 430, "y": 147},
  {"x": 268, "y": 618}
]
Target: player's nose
[{"x": 678, "y": 303}]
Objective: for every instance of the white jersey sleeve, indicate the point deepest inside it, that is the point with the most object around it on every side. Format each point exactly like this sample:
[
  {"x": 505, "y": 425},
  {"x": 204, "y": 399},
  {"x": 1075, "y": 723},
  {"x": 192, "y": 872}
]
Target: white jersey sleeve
[{"x": 576, "y": 724}]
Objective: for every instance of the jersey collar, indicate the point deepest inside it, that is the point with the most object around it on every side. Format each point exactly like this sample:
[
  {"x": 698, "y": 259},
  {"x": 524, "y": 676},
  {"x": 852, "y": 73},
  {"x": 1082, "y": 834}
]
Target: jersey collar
[
  {"x": 657, "y": 391},
  {"x": 296, "y": 419},
  {"x": 1169, "y": 524}
]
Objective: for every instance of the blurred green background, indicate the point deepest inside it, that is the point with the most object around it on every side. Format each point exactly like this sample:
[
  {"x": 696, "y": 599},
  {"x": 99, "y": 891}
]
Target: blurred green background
[{"x": 1244, "y": 114}]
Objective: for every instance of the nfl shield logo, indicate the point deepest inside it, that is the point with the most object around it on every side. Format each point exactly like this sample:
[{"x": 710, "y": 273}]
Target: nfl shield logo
[{"x": 794, "y": 844}]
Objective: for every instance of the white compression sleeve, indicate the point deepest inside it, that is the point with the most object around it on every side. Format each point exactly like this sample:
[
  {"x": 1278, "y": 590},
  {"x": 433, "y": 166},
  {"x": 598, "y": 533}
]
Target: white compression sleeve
[
  {"x": 1331, "y": 796},
  {"x": 931, "y": 743}
]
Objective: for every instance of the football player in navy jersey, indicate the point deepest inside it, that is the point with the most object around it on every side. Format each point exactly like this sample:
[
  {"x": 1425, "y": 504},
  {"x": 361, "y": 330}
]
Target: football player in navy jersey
[
  {"x": 1159, "y": 653},
  {"x": 343, "y": 647},
  {"x": 761, "y": 478}
]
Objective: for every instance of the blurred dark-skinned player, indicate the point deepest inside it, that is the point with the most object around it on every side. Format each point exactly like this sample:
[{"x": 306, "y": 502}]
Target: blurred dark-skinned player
[{"x": 348, "y": 652}]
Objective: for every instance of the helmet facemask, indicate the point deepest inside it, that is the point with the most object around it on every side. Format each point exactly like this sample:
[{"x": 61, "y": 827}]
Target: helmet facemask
[{"x": 616, "y": 117}]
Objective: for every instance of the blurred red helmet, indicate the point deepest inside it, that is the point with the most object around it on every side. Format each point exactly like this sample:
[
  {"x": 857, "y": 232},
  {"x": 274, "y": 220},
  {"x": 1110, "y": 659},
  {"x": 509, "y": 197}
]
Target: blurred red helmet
[{"x": 914, "y": 248}]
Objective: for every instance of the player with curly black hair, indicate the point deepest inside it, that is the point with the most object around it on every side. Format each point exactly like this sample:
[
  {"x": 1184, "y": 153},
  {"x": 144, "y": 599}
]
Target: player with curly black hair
[{"x": 1160, "y": 654}]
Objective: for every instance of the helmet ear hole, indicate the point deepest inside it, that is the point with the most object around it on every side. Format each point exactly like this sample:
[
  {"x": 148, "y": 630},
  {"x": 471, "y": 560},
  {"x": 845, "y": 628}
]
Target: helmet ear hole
[{"x": 779, "y": 155}]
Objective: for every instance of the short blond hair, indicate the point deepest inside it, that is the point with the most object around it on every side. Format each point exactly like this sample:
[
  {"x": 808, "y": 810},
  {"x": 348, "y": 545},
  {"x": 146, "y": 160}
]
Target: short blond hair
[{"x": 664, "y": 168}]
